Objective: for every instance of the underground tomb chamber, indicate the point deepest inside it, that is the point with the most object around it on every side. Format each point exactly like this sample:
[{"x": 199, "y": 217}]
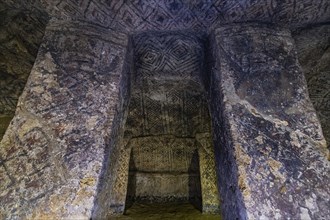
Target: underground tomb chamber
[
  {"x": 166, "y": 154},
  {"x": 272, "y": 159}
]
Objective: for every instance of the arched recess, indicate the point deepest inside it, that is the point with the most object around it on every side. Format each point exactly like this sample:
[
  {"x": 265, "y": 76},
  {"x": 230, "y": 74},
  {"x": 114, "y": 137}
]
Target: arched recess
[{"x": 21, "y": 35}]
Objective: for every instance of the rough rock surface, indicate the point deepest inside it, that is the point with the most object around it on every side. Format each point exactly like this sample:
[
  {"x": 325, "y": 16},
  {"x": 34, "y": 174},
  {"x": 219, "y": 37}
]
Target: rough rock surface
[
  {"x": 21, "y": 33},
  {"x": 313, "y": 48},
  {"x": 273, "y": 153},
  {"x": 53, "y": 151}
]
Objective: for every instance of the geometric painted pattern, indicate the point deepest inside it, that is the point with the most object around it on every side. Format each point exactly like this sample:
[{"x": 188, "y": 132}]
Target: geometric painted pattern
[
  {"x": 141, "y": 15},
  {"x": 167, "y": 110},
  {"x": 210, "y": 195},
  {"x": 163, "y": 153},
  {"x": 167, "y": 96},
  {"x": 167, "y": 156},
  {"x": 163, "y": 168}
]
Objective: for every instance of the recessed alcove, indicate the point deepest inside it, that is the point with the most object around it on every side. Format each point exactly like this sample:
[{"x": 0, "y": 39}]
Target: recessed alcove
[
  {"x": 164, "y": 169},
  {"x": 168, "y": 124}
]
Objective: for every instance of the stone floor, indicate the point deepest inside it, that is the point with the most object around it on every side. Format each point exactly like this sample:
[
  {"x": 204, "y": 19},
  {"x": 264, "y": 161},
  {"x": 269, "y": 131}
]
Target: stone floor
[{"x": 166, "y": 211}]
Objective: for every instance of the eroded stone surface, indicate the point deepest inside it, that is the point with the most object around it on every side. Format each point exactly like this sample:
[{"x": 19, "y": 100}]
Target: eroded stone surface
[
  {"x": 50, "y": 163},
  {"x": 273, "y": 146},
  {"x": 112, "y": 189},
  {"x": 314, "y": 56},
  {"x": 21, "y": 33}
]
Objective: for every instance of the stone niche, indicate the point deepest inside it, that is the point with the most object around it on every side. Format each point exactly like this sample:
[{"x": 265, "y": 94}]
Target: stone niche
[
  {"x": 166, "y": 152},
  {"x": 164, "y": 169}
]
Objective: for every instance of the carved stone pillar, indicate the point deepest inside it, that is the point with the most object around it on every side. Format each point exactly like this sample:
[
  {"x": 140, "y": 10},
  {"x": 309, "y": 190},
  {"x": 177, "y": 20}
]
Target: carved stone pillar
[
  {"x": 21, "y": 31},
  {"x": 53, "y": 152},
  {"x": 272, "y": 156}
]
